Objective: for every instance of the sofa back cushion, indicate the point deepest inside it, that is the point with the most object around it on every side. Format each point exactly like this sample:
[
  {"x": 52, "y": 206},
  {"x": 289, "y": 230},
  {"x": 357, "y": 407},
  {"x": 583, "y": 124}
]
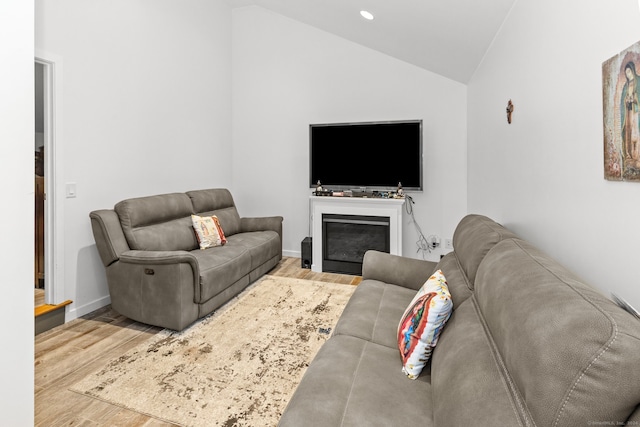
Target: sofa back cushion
[
  {"x": 218, "y": 202},
  {"x": 457, "y": 280},
  {"x": 466, "y": 385},
  {"x": 474, "y": 236},
  {"x": 567, "y": 354},
  {"x": 158, "y": 223}
]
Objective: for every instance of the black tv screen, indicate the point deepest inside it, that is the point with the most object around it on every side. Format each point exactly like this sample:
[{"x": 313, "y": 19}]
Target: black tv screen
[{"x": 374, "y": 155}]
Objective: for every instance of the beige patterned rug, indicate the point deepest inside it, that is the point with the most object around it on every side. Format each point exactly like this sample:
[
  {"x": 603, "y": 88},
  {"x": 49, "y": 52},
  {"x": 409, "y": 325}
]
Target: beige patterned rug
[{"x": 237, "y": 367}]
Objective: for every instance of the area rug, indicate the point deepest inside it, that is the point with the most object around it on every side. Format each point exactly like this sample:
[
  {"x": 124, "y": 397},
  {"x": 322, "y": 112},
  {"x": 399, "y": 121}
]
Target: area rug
[{"x": 237, "y": 367}]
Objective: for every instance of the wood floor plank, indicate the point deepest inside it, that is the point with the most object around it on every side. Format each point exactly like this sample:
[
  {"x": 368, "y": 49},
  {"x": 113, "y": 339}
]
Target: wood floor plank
[
  {"x": 54, "y": 406},
  {"x": 129, "y": 418},
  {"x": 66, "y": 354},
  {"x": 152, "y": 422},
  {"x": 38, "y": 297},
  {"x": 291, "y": 267},
  {"x": 75, "y": 328},
  {"x": 288, "y": 267},
  {"x": 62, "y": 359},
  {"x": 61, "y": 407},
  {"x": 52, "y": 402},
  {"x": 70, "y": 373},
  {"x": 99, "y": 412}
]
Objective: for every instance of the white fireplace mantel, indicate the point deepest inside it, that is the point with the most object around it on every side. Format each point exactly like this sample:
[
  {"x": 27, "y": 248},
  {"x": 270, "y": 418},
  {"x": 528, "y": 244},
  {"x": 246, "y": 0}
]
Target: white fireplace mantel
[{"x": 319, "y": 205}]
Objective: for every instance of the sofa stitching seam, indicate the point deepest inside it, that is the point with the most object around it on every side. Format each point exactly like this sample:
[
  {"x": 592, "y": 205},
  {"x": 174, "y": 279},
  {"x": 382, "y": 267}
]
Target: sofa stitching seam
[
  {"x": 507, "y": 380},
  {"x": 501, "y": 232},
  {"x": 582, "y": 374},
  {"x": 355, "y": 375},
  {"x": 466, "y": 279},
  {"x": 373, "y": 330}
]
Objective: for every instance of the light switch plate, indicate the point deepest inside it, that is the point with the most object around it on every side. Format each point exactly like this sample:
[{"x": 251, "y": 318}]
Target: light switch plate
[{"x": 71, "y": 190}]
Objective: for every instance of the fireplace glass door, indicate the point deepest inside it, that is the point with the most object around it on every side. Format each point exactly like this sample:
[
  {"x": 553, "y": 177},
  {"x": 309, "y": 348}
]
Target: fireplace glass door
[{"x": 347, "y": 237}]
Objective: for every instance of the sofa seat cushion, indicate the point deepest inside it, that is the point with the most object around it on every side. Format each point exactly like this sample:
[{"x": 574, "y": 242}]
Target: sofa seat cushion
[
  {"x": 220, "y": 267},
  {"x": 354, "y": 382},
  {"x": 374, "y": 311},
  {"x": 262, "y": 245},
  {"x": 467, "y": 386}
]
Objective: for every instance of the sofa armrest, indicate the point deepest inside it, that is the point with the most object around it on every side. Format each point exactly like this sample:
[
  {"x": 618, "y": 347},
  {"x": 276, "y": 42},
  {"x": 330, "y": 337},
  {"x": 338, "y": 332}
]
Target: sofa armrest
[
  {"x": 397, "y": 270},
  {"x": 273, "y": 223},
  {"x": 160, "y": 288},
  {"x": 161, "y": 258},
  {"x": 152, "y": 258},
  {"x": 108, "y": 234}
]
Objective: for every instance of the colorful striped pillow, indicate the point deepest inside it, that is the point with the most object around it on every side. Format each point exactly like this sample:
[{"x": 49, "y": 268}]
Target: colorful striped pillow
[{"x": 422, "y": 323}]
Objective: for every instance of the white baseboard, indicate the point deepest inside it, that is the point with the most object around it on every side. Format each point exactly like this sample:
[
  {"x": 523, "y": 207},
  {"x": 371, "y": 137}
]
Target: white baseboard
[
  {"x": 294, "y": 254},
  {"x": 76, "y": 312}
]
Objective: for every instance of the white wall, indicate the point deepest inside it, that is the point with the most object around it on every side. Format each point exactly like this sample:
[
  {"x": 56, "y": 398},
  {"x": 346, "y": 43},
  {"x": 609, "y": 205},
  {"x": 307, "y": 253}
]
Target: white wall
[
  {"x": 16, "y": 219},
  {"x": 287, "y": 75},
  {"x": 146, "y": 110},
  {"x": 543, "y": 175}
]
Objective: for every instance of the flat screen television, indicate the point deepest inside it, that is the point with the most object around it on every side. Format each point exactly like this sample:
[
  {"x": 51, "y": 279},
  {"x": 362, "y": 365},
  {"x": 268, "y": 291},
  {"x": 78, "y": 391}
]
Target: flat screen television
[{"x": 372, "y": 155}]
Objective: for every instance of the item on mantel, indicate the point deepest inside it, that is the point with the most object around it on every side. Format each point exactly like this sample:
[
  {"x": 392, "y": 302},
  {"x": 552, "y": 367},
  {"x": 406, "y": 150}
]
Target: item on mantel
[
  {"x": 399, "y": 191},
  {"x": 322, "y": 191}
]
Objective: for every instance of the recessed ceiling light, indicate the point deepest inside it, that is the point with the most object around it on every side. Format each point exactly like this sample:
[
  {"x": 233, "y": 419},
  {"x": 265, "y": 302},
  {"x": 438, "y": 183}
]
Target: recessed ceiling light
[{"x": 366, "y": 15}]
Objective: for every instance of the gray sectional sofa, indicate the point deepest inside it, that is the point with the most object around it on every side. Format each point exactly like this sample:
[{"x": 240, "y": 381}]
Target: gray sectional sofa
[
  {"x": 156, "y": 272},
  {"x": 528, "y": 344}
]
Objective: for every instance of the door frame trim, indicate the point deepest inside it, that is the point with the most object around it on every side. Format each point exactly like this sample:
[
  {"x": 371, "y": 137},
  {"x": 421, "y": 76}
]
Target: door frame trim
[{"x": 54, "y": 206}]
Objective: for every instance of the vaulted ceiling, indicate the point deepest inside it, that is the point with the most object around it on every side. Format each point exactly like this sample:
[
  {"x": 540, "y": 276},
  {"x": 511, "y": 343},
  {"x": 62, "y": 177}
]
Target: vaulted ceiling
[{"x": 447, "y": 37}]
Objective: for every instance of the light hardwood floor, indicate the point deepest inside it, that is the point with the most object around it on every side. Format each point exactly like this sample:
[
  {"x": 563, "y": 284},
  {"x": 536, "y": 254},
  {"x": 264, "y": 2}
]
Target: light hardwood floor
[
  {"x": 38, "y": 297},
  {"x": 66, "y": 354}
]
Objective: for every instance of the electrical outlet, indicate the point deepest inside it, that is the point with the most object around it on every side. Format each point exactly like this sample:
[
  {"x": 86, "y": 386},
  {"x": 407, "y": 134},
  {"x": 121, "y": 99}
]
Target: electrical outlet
[{"x": 448, "y": 243}]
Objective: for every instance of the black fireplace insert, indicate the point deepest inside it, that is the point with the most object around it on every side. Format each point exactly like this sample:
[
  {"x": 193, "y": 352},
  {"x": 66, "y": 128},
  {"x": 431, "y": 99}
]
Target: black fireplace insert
[{"x": 345, "y": 239}]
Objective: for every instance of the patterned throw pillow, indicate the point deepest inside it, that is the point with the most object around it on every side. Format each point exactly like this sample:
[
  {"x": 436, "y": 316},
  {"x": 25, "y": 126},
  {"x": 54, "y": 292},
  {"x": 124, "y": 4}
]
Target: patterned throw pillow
[
  {"x": 208, "y": 231},
  {"x": 422, "y": 323}
]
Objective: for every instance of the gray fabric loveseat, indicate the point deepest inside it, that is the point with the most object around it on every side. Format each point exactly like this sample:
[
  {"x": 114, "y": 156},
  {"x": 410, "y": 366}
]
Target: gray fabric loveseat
[
  {"x": 155, "y": 270},
  {"x": 527, "y": 344}
]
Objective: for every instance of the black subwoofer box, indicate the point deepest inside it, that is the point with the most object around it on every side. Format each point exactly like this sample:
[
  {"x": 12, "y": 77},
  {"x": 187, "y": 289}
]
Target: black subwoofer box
[{"x": 306, "y": 253}]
